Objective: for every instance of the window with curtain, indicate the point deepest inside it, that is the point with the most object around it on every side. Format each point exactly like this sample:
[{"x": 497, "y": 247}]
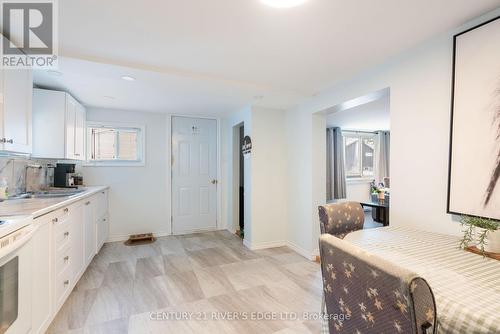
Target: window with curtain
[
  {"x": 359, "y": 150},
  {"x": 115, "y": 145}
]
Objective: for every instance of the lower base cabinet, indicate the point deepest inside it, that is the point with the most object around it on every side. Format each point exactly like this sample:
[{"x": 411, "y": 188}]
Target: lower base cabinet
[
  {"x": 66, "y": 242},
  {"x": 102, "y": 228},
  {"x": 41, "y": 287}
]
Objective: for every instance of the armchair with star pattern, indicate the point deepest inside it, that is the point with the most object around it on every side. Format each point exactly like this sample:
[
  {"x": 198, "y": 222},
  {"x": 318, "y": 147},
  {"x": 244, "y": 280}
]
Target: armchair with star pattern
[
  {"x": 339, "y": 219},
  {"x": 367, "y": 294}
]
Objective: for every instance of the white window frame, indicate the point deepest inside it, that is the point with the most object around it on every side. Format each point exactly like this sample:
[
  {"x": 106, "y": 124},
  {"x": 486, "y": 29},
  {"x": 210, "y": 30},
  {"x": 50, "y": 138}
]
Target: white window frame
[
  {"x": 361, "y": 136},
  {"x": 141, "y": 147}
]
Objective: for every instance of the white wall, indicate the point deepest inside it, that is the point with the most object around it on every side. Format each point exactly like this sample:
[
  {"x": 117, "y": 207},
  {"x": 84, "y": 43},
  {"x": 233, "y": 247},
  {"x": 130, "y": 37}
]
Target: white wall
[
  {"x": 371, "y": 116},
  {"x": 265, "y": 177},
  {"x": 358, "y": 191},
  {"x": 420, "y": 82},
  {"x": 269, "y": 187},
  {"x": 139, "y": 197},
  {"x": 298, "y": 127}
]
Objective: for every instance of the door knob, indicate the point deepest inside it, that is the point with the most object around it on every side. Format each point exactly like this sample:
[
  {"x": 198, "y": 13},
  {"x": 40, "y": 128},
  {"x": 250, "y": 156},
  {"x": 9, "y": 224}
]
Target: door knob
[{"x": 214, "y": 181}]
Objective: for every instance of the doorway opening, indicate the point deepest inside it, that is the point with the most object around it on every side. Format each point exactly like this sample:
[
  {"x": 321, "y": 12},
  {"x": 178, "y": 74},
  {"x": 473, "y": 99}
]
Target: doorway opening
[
  {"x": 240, "y": 186},
  {"x": 358, "y": 155},
  {"x": 241, "y": 200}
]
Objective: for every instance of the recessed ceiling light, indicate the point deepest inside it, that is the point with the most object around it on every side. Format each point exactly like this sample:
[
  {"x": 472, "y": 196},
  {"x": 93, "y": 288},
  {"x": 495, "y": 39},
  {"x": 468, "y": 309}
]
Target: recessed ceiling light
[
  {"x": 109, "y": 97},
  {"x": 54, "y": 73},
  {"x": 258, "y": 97},
  {"x": 283, "y": 3},
  {"x": 128, "y": 78}
]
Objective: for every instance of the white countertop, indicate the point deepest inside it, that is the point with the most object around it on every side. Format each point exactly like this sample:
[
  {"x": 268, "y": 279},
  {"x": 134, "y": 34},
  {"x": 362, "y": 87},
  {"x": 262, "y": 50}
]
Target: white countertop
[{"x": 37, "y": 207}]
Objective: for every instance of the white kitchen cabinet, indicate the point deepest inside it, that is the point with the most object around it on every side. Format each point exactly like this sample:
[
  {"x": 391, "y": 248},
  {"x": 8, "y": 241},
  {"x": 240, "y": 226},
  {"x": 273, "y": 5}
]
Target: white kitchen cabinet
[
  {"x": 101, "y": 218},
  {"x": 41, "y": 278},
  {"x": 16, "y": 113},
  {"x": 90, "y": 230},
  {"x": 80, "y": 121},
  {"x": 68, "y": 251},
  {"x": 65, "y": 243},
  {"x": 79, "y": 240},
  {"x": 70, "y": 127},
  {"x": 101, "y": 206},
  {"x": 58, "y": 125},
  {"x": 102, "y": 231}
]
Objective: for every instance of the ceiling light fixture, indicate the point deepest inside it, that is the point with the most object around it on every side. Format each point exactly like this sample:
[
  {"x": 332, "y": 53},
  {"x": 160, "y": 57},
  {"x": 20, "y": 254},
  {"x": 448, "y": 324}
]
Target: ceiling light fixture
[
  {"x": 128, "y": 78},
  {"x": 109, "y": 97},
  {"x": 283, "y": 3}
]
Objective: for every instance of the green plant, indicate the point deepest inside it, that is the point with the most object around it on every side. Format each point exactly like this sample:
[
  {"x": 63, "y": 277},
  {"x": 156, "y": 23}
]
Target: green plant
[{"x": 470, "y": 224}]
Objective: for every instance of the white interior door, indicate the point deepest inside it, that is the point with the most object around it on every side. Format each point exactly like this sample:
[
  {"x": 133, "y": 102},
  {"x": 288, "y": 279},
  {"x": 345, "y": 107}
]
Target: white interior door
[{"x": 194, "y": 174}]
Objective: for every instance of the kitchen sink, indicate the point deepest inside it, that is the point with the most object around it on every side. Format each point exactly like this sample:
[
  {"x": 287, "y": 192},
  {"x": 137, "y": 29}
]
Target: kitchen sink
[{"x": 49, "y": 194}]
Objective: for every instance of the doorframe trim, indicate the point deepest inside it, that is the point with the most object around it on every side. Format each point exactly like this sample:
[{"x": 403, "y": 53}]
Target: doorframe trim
[{"x": 220, "y": 183}]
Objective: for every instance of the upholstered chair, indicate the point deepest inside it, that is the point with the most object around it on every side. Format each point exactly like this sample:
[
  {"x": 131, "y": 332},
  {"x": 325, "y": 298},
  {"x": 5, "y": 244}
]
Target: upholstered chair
[
  {"x": 367, "y": 294},
  {"x": 339, "y": 219}
]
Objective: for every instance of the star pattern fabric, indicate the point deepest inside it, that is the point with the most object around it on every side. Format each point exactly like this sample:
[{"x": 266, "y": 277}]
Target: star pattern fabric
[
  {"x": 371, "y": 295},
  {"x": 339, "y": 219}
]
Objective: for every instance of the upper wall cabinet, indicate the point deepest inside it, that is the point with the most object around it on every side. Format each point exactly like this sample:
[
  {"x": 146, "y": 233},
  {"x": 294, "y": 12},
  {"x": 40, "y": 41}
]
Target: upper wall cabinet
[
  {"x": 16, "y": 89},
  {"x": 58, "y": 126}
]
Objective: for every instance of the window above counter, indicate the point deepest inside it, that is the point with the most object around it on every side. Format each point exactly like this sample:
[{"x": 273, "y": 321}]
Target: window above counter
[{"x": 115, "y": 144}]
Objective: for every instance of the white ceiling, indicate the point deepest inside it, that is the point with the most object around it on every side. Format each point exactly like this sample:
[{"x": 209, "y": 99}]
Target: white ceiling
[
  {"x": 371, "y": 116},
  {"x": 100, "y": 85},
  {"x": 195, "y": 56}
]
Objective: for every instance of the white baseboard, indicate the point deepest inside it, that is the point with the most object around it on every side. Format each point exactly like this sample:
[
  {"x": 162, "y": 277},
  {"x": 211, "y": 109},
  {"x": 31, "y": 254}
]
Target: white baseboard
[
  {"x": 263, "y": 245},
  {"x": 201, "y": 230},
  {"x": 299, "y": 250}
]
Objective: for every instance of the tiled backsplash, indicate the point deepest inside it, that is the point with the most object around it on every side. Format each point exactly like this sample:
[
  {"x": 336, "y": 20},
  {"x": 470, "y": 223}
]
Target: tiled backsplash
[{"x": 16, "y": 171}]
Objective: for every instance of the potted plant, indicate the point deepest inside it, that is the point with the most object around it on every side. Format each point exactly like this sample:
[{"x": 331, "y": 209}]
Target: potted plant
[{"x": 481, "y": 232}]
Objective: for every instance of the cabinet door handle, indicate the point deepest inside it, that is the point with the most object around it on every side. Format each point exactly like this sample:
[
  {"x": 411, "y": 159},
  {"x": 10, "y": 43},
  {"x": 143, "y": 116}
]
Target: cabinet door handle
[
  {"x": 77, "y": 154},
  {"x": 87, "y": 203},
  {"x": 66, "y": 210},
  {"x": 66, "y": 234},
  {"x": 10, "y": 141},
  {"x": 55, "y": 220},
  {"x": 66, "y": 282},
  {"x": 3, "y": 140},
  {"x": 66, "y": 258}
]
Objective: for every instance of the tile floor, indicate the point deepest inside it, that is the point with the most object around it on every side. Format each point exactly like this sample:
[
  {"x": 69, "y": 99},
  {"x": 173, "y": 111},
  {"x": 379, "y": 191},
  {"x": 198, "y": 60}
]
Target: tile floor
[
  {"x": 193, "y": 277},
  {"x": 369, "y": 222}
]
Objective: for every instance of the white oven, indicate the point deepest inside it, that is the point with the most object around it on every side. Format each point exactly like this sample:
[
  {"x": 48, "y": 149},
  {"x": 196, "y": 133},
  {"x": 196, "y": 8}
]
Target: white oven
[{"x": 15, "y": 275}]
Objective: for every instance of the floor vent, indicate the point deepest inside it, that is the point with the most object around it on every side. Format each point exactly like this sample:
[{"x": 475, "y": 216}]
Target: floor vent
[{"x": 140, "y": 239}]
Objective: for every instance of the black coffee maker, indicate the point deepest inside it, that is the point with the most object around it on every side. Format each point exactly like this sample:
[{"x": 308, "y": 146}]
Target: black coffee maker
[{"x": 64, "y": 176}]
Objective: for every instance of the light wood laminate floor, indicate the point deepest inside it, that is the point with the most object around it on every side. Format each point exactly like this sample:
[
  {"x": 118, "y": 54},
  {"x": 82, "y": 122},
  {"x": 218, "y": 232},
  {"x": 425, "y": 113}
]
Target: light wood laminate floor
[{"x": 194, "y": 279}]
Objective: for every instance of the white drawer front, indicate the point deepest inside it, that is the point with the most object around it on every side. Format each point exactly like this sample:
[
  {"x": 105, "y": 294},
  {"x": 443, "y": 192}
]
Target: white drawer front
[
  {"x": 63, "y": 234},
  {"x": 63, "y": 285},
  {"x": 64, "y": 258}
]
